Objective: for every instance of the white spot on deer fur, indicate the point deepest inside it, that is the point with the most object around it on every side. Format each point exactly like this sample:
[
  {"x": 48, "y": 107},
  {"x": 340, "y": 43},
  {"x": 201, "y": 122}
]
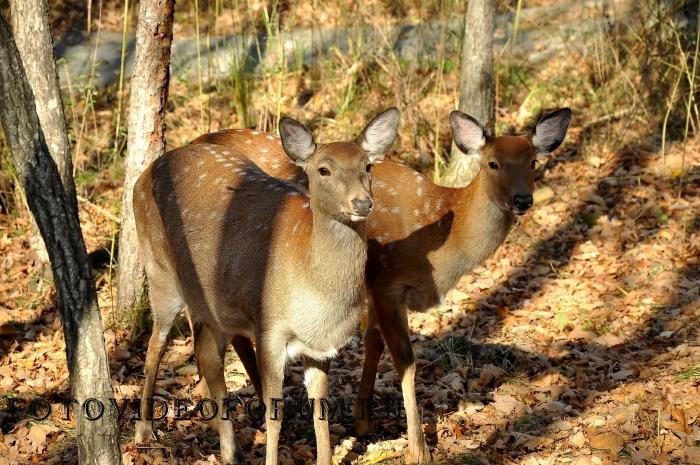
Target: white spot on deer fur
[
  {"x": 270, "y": 137},
  {"x": 416, "y": 212},
  {"x": 379, "y": 183},
  {"x": 228, "y": 165},
  {"x": 255, "y": 133},
  {"x": 393, "y": 191},
  {"x": 202, "y": 176},
  {"x": 419, "y": 192},
  {"x": 248, "y": 141},
  {"x": 396, "y": 210},
  {"x": 417, "y": 226},
  {"x": 306, "y": 205},
  {"x": 200, "y": 162},
  {"x": 226, "y": 152},
  {"x": 264, "y": 150}
]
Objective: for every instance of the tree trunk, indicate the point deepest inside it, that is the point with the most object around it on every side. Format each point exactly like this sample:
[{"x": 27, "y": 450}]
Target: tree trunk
[
  {"x": 477, "y": 84},
  {"x": 32, "y": 33},
  {"x": 146, "y": 133},
  {"x": 98, "y": 440}
]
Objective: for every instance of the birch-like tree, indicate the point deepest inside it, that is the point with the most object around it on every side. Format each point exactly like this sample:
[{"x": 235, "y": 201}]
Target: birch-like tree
[
  {"x": 477, "y": 83},
  {"x": 57, "y": 219},
  {"x": 32, "y": 33},
  {"x": 146, "y": 133}
]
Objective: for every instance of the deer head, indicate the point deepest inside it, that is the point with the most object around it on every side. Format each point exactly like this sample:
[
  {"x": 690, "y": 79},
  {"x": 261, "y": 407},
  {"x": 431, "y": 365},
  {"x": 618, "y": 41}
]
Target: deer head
[
  {"x": 339, "y": 179},
  {"x": 508, "y": 162}
]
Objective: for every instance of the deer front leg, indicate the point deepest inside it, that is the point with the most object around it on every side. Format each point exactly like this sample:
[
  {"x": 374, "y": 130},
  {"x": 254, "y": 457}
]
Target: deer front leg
[
  {"x": 374, "y": 346},
  {"x": 395, "y": 331},
  {"x": 271, "y": 355},
  {"x": 316, "y": 381}
]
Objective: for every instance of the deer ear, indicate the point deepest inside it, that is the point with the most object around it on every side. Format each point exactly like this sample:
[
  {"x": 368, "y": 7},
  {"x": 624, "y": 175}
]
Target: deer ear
[
  {"x": 551, "y": 130},
  {"x": 379, "y": 134},
  {"x": 297, "y": 140},
  {"x": 467, "y": 132}
]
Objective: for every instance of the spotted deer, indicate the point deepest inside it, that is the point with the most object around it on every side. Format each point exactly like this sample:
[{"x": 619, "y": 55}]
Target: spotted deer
[
  {"x": 255, "y": 257},
  {"x": 422, "y": 238}
]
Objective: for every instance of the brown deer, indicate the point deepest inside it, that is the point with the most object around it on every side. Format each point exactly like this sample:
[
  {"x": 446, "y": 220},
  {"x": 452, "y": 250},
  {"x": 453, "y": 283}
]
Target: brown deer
[
  {"x": 423, "y": 237},
  {"x": 254, "y": 257}
]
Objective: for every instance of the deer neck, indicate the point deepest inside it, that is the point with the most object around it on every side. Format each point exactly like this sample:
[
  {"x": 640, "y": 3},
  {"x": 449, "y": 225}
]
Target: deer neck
[
  {"x": 481, "y": 224},
  {"x": 337, "y": 257}
]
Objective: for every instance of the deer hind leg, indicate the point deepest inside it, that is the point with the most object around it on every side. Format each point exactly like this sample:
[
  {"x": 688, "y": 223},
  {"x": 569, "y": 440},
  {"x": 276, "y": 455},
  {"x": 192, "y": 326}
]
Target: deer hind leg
[
  {"x": 244, "y": 348},
  {"x": 316, "y": 381},
  {"x": 394, "y": 325},
  {"x": 166, "y": 303},
  {"x": 374, "y": 346},
  {"x": 210, "y": 350}
]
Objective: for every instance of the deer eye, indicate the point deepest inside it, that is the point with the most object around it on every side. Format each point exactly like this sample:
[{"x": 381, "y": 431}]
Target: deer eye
[
  {"x": 368, "y": 168},
  {"x": 493, "y": 165},
  {"x": 323, "y": 171},
  {"x": 533, "y": 164}
]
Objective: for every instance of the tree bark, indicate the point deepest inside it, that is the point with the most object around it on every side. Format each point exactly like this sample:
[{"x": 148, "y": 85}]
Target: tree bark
[
  {"x": 57, "y": 218},
  {"x": 146, "y": 133},
  {"x": 477, "y": 84},
  {"x": 32, "y": 32}
]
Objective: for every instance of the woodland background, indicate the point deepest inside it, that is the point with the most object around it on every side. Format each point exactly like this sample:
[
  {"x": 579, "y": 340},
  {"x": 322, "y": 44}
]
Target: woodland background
[{"x": 576, "y": 343}]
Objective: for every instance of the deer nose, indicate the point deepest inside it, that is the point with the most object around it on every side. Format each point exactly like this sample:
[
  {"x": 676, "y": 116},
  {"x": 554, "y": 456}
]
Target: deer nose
[
  {"x": 362, "y": 207},
  {"x": 522, "y": 202}
]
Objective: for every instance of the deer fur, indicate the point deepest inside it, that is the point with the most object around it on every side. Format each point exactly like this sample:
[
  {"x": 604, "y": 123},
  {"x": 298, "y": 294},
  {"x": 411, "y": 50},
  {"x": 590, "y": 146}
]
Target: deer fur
[
  {"x": 422, "y": 238},
  {"x": 254, "y": 257}
]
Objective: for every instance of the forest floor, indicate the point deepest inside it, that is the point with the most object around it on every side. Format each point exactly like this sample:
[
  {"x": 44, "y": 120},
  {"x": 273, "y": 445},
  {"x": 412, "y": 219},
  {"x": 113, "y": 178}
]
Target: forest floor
[{"x": 576, "y": 343}]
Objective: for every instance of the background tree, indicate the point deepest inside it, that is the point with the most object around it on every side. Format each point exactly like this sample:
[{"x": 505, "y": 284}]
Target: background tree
[
  {"x": 57, "y": 218},
  {"x": 477, "y": 83},
  {"x": 146, "y": 132},
  {"x": 32, "y": 32}
]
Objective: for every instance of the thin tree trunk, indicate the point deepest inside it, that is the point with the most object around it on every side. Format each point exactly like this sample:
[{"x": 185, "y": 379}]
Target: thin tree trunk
[
  {"x": 146, "y": 133},
  {"x": 32, "y": 33},
  {"x": 477, "y": 84},
  {"x": 98, "y": 440}
]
